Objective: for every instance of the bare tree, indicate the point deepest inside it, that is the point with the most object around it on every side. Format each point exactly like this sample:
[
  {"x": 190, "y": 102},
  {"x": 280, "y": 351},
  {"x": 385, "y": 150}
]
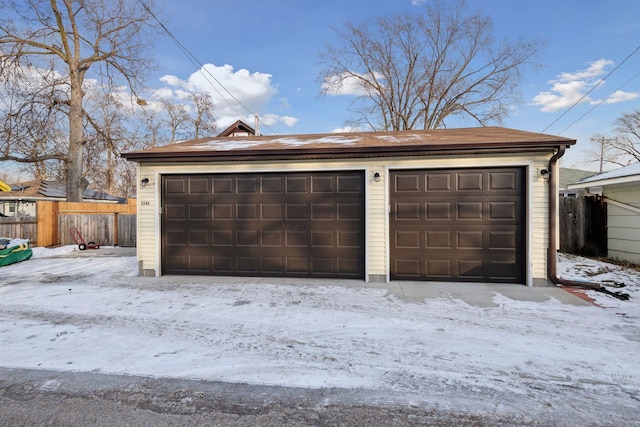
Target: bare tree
[
  {"x": 602, "y": 152},
  {"x": 415, "y": 71},
  {"x": 77, "y": 36},
  {"x": 177, "y": 120},
  {"x": 204, "y": 123},
  {"x": 30, "y": 133},
  {"x": 627, "y": 140}
]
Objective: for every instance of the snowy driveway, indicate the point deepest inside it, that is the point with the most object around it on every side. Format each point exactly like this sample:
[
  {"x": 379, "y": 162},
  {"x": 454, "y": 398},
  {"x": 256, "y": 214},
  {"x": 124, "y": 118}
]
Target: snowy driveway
[{"x": 532, "y": 360}]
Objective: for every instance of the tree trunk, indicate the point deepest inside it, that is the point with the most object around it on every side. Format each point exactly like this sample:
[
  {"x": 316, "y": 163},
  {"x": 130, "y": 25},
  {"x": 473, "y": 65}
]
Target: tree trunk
[{"x": 75, "y": 184}]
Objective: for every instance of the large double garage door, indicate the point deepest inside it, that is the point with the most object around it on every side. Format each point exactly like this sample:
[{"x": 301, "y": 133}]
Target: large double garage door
[
  {"x": 444, "y": 225},
  {"x": 465, "y": 225},
  {"x": 267, "y": 224}
]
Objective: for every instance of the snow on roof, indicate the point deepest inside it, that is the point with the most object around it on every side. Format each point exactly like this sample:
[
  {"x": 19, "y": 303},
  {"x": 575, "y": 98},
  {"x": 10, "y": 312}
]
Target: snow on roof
[
  {"x": 626, "y": 174},
  {"x": 361, "y": 142},
  {"x": 236, "y": 144}
]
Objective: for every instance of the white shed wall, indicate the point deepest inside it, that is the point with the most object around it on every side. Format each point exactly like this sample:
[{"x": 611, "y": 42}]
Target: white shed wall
[
  {"x": 377, "y": 268},
  {"x": 623, "y": 225}
]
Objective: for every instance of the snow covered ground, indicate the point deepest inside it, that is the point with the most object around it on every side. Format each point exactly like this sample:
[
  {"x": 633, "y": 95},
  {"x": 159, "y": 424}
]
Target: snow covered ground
[{"x": 574, "y": 365}]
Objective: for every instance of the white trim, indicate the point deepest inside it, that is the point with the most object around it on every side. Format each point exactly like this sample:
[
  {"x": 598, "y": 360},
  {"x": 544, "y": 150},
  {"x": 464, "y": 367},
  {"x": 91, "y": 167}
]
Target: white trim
[
  {"x": 530, "y": 173},
  {"x": 158, "y": 222},
  {"x": 366, "y": 179},
  {"x": 387, "y": 230}
]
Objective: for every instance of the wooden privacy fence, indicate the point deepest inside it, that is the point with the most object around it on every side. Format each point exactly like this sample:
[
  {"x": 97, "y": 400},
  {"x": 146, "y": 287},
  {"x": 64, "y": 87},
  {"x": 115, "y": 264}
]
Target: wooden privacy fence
[
  {"x": 583, "y": 226},
  {"x": 102, "y": 229},
  {"x": 113, "y": 224},
  {"x": 25, "y": 227}
]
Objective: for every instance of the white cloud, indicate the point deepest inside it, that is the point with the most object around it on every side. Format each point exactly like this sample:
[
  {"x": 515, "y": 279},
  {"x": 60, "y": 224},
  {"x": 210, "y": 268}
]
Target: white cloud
[
  {"x": 289, "y": 121},
  {"x": 344, "y": 84},
  {"x": 619, "y": 96},
  {"x": 569, "y": 88},
  {"x": 347, "y": 129},
  {"x": 596, "y": 68},
  {"x": 230, "y": 90}
]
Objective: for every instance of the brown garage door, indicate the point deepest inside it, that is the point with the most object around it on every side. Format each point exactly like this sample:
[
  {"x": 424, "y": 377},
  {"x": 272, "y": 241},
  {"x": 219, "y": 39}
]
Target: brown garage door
[
  {"x": 462, "y": 225},
  {"x": 272, "y": 224}
]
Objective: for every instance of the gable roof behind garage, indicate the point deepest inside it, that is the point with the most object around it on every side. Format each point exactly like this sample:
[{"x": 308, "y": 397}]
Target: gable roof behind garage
[{"x": 356, "y": 144}]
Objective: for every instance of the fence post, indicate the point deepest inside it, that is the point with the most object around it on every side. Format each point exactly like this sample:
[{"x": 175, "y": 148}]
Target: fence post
[{"x": 115, "y": 229}]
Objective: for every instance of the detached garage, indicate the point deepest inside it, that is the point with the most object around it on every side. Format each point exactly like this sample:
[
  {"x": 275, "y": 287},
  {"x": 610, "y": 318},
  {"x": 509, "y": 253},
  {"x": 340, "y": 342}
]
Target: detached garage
[{"x": 457, "y": 205}]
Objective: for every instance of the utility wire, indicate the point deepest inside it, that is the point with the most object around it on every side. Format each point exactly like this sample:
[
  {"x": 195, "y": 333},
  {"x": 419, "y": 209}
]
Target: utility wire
[
  {"x": 596, "y": 105},
  {"x": 192, "y": 58},
  {"x": 592, "y": 89}
]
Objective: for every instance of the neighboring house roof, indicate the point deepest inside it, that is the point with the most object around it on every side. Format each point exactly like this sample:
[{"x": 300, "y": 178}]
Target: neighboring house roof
[
  {"x": 344, "y": 145},
  {"x": 239, "y": 128},
  {"x": 51, "y": 190},
  {"x": 570, "y": 176},
  {"x": 623, "y": 175}
]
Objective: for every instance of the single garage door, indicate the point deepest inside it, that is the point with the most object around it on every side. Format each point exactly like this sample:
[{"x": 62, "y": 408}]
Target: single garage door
[
  {"x": 267, "y": 224},
  {"x": 462, "y": 225}
]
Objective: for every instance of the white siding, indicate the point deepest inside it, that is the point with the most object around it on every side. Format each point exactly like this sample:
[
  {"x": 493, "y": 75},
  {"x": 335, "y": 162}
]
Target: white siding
[
  {"x": 623, "y": 225},
  {"x": 376, "y": 200}
]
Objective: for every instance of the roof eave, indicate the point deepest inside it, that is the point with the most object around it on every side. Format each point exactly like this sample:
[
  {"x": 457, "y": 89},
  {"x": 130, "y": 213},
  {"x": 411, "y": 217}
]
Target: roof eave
[
  {"x": 605, "y": 182},
  {"x": 344, "y": 152}
]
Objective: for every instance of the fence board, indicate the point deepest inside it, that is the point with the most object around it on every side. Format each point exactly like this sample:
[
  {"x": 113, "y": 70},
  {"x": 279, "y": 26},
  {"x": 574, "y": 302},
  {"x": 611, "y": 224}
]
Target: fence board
[
  {"x": 583, "y": 226},
  {"x": 20, "y": 228},
  {"x": 127, "y": 230},
  {"x": 93, "y": 228}
]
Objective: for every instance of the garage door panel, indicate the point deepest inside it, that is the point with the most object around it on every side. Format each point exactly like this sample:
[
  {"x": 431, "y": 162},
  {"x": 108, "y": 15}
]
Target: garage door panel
[
  {"x": 175, "y": 211},
  {"x": 349, "y": 267},
  {"x": 291, "y": 224},
  {"x": 199, "y": 237},
  {"x": 435, "y": 182},
  {"x": 322, "y": 239},
  {"x": 176, "y": 185},
  {"x": 407, "y": 183},
  {"x": 222, "y": 185},
  {"x": 272, "y": 185},
  {"x": 247, "y": 185},
  {"x": 437, "y": 269},
  {"x": 407, "y": 211},
  {"x": 458, "y": 225},
  {"x": 199, "y": 186},
  {"x": 323, "y": 184},
  {"x": 469, "y": 210},
  {"x": 503, "y": 210},
  {"x": 437, "y": 240},
  {"x": 322, "y": 266},
  {"x": 408, "y": 239},
  {"x": 222, "y": 237},
  {"x": 503, "y": 181},
  {"x": 471, "y": 269},
  {"x": 438, "y": 211},
  {"x": 349, "y": 184},
  {"x": 469, "y": 181},
  {"x": 271, "y": 211},
  {"x": 296, "y": 184},
  {"x": 199, "y": 212},
  {"x": 247, "y": 265}
]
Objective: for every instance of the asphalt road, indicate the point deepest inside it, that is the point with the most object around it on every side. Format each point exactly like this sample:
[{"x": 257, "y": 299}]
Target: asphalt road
[{"x": 53, "y": 398}]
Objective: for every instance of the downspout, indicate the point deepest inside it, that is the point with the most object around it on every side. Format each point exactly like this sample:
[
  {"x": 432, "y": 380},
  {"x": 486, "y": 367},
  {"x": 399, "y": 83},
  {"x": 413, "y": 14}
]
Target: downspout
[{"x": 552, "y": 261}]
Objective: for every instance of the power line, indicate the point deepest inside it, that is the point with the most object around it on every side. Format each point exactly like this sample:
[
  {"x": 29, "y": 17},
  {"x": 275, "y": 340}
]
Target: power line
[
  {"x": 599, "y": 103},
  {"x": 200, "y": 66},
  {"x": 592, "y": 89}
]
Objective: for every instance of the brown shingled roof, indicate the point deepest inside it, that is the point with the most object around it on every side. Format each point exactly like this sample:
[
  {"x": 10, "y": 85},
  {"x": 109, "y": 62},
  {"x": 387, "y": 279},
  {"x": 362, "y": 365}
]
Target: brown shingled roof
[{"x": 356, "y": 144}]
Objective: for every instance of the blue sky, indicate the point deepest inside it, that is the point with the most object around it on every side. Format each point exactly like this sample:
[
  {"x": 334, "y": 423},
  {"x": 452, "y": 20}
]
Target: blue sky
[{"x": 266, "y": 54}]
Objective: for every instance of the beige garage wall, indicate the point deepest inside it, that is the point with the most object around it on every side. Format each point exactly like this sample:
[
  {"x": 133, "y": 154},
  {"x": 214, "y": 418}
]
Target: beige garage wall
[{"x": 377, "y": 268}]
